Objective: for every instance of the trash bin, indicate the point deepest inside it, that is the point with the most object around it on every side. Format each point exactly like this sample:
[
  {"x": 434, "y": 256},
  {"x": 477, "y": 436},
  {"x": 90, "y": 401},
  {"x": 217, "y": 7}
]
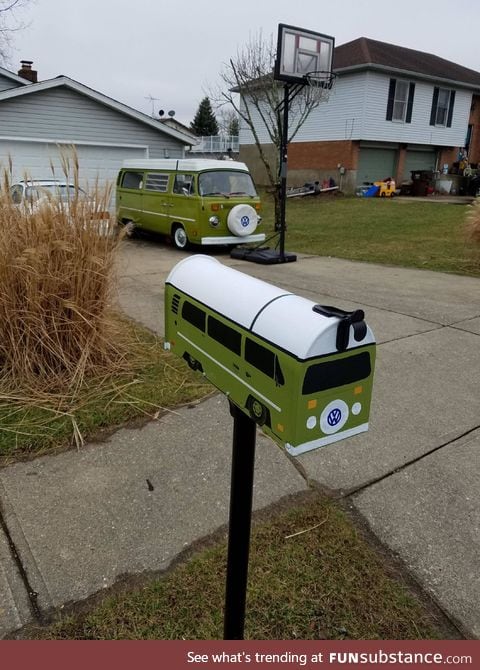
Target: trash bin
[
  {"x": 421, "y": 182},
  {"x": 302, "y": 371}
]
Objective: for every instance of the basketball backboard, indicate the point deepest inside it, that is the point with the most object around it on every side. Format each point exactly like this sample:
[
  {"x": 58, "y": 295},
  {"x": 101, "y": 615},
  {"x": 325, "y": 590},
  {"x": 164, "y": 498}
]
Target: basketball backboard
[{"x": 303, "y": 56}]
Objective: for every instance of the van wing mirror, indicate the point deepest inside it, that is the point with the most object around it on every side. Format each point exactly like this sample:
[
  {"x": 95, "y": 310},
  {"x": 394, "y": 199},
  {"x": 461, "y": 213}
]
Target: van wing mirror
[{"x": 346, "y": 319}]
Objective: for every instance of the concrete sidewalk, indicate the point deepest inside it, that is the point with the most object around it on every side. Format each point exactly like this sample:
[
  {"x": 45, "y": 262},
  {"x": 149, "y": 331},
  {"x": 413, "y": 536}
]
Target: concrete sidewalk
[{"x": 80, "y": 520}]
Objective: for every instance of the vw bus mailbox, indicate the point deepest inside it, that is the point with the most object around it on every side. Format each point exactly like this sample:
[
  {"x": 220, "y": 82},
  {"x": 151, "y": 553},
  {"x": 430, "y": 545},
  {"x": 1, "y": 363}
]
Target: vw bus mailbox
[{"x": 302, "y": 371}]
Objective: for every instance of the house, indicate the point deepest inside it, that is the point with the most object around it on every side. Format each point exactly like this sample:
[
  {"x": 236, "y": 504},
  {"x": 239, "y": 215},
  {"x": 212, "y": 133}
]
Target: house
[
  {"x": 38, "y": 118},
  {"x": 392, "y": 111},
  {"x": 171, "y": 122}
]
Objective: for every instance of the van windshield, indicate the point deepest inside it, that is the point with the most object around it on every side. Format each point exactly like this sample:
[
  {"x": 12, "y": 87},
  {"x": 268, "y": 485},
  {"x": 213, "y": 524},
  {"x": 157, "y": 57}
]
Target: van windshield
[
  {"x": 227, "y": 183},
  {"x": 329, "y": 374}
]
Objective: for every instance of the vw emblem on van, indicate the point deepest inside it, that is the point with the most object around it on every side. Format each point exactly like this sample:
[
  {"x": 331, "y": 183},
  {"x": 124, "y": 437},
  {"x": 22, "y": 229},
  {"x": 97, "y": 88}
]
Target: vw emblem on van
[
  {"x": 334, "y": 417},
  {"x": 245, "y": 221}
]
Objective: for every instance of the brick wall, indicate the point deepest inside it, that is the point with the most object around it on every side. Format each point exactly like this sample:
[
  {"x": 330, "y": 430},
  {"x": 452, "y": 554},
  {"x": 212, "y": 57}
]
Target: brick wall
[
  {"x": 474, "y": 153},
  {"x": 448, "y": 155},
  {"x": 323, "y": 155},
  {"x": 309, "y": 162}
]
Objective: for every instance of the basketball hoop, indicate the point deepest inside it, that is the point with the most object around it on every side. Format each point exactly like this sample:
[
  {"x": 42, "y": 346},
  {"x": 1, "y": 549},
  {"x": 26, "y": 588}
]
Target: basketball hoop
[
  {"x": 320, "y": 79},
  {"x": 304, "y": 63}
]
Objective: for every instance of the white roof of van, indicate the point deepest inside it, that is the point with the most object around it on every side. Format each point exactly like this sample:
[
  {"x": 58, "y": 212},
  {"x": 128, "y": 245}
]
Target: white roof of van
[
  {"x": 279, "y": 316},
  {"x": 183, "y": 164}
]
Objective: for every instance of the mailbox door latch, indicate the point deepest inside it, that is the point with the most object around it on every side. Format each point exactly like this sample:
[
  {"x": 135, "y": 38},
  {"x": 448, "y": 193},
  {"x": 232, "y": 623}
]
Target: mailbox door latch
[{"x": 346, "y": 319}]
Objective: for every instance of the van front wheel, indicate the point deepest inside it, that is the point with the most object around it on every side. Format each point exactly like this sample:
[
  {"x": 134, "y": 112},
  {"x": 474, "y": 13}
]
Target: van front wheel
[{"x": 180, "y": 239}]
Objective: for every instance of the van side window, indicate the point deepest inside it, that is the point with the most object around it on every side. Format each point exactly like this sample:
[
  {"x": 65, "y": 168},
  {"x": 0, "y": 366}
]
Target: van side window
[
  {"x": 183, "y": 184},
  {"x": 229, "y": 337},
  {"x": 264, "y": 360},
  {"x": 156, "y": 182},
  {"x": 194, "y": 315},
  {"x": 132, "y": 180}
]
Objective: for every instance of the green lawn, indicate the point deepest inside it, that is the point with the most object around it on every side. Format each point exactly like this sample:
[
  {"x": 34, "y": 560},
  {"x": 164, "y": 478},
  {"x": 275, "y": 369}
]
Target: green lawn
[{"x": 380, "y": 230}]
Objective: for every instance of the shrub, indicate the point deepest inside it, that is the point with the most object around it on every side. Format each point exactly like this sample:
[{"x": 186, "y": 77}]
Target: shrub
[
  {"x": 56, "y": 276},
  {"x": 473, "y": 222},
  {"x": 472, "y": 229}
]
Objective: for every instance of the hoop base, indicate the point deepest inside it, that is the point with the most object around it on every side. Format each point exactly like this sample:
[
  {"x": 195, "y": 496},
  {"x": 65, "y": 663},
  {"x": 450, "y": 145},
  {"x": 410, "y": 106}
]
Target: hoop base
[{"x": 263, "y": 256}]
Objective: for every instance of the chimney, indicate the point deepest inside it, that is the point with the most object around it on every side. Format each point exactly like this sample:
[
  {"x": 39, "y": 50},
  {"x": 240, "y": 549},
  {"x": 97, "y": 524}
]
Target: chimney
[{"x": 26, "y": 71}]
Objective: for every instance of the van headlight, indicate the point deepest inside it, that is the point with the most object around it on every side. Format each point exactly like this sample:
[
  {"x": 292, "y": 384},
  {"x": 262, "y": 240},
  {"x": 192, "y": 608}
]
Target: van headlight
[{"x": 214, "y": 221}]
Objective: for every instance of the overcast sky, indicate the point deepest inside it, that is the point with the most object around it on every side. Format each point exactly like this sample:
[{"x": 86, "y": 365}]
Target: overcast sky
[{"x": 173, "y": 51}]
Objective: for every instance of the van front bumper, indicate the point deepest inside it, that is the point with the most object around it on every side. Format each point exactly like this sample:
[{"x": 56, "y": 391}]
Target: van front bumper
[{"x": 233, "y": 239}]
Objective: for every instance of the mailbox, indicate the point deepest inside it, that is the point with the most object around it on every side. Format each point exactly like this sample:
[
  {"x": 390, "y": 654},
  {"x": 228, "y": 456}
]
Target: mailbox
[{"x": 302, "y": 371}]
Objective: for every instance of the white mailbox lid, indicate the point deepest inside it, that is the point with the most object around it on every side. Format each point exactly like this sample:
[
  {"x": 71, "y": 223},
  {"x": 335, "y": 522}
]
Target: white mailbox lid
[
  {"x": 291, "y": 324},
  {"x": 229, "y": 292},
  {"x": 280, "y": 317}
]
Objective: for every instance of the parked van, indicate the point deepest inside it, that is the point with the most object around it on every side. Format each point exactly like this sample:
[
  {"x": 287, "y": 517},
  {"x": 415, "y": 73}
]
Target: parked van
[{"x": 195, "y": 201}]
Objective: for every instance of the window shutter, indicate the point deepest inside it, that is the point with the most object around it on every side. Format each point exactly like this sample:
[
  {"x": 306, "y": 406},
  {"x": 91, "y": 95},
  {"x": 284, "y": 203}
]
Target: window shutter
[
  {"x": 391, "y": 99},
  {"x": 450, "y": 109},
  {"x": 433, "y": 113},
  {"x": 411, "y": 93}
]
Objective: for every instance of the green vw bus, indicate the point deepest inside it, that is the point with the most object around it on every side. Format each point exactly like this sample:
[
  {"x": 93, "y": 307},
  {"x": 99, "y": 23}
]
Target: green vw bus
[{"x": 193, "y": 201}]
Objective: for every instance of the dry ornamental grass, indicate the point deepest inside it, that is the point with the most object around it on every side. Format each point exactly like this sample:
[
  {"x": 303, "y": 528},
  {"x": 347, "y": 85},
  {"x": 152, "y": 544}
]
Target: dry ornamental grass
[
  {"x": 473, "y": 222},
  {"x": 56, "y": 271}
]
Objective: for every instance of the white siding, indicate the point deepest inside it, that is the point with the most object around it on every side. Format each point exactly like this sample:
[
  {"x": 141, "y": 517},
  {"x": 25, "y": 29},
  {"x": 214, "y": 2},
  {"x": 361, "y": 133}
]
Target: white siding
[
  {"x": 40, "y": 160},
  {"x": 339, "y": 118},
  {"x": 356, "y": 110},
  {"x": 342, "y": 116},
  {"x": 62, "y": 114},
  {"x": 419, "y": 131}
]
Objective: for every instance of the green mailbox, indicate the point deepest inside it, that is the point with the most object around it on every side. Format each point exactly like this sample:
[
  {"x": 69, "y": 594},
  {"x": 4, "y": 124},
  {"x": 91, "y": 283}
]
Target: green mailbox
[{"x": 302, "y": 371}]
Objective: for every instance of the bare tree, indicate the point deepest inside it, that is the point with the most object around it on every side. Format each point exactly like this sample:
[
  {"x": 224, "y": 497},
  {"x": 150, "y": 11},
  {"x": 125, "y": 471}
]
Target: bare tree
[
  {"x": 248, "y": 85},
  {"x": 10, "y": 23},
  {"x": 228, "y": 121}
]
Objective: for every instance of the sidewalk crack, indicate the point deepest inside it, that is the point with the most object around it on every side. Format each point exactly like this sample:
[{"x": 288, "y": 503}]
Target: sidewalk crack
[
  {"x": 32, "y": 594},
  {"x": 394, "y": 471}
]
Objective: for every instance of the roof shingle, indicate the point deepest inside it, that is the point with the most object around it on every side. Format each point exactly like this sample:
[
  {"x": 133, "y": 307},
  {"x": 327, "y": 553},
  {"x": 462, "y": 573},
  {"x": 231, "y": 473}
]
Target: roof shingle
[{"x": 363, "y": 51}]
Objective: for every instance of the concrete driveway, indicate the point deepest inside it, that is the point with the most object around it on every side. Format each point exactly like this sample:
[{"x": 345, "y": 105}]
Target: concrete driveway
[{"x": 415, "y": 476}]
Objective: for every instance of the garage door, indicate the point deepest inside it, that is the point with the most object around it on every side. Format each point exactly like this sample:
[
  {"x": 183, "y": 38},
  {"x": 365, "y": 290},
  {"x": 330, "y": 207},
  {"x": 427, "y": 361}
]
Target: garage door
[
  {"x": 376, "y": 164},
  {"x": 36, "y": 159},
  {"x": 418, "y": 160}
]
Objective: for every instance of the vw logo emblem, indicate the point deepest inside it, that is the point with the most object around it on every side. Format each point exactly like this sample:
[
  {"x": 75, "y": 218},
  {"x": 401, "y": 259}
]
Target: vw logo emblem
[
  {"x": 334, "y": 417},
  {"x": 244, "y": 221}
]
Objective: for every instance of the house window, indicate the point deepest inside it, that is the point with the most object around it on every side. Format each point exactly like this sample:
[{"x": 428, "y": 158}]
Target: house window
[
  {"x": 468, "y": 139},
  {"x": 442, "y": 107},
  {"x": 400, "y": 101}
]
